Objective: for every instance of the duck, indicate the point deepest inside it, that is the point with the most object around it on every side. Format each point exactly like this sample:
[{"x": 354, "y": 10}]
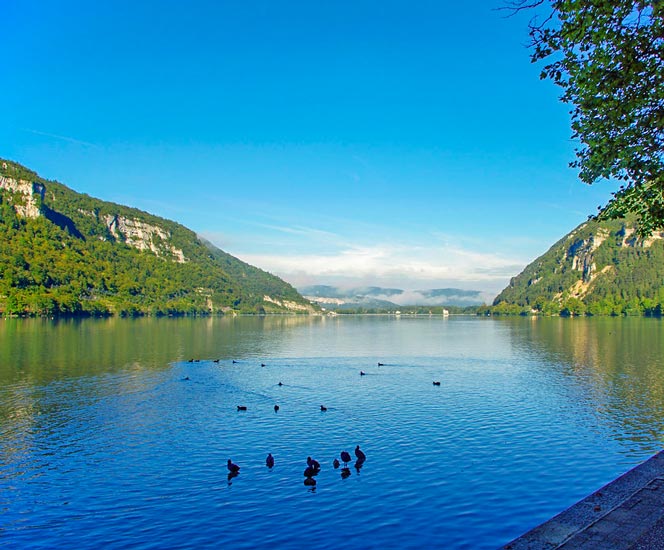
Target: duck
[
  {"x": 436, "y": 383},
  {"x": 313, "y": 463},
  {"x": 215, "y": 360},
  {"x": 359, "y": 454},
  {"x": 262, "y": 364},
  {"x": 280, "y": 384},
  {"x": 323, "y": 408},
  {"x": 269, "y": 461},
  {"x": 241, "y": 408},
  {"x": 381, "y": 364},
  {"x": 335, "y": 463},
  {"x": 362, "y": 373},
  {"x": 232, "y": 468},
  {"x": 276, "y": 408},
  {"x": 234, "y": 361},
  {"x": 345, "y": 458}
]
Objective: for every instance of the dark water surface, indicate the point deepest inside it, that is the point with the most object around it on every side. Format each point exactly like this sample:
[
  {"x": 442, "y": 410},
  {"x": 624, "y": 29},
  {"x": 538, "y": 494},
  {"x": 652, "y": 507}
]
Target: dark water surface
[{"x": 104, "y": 444}]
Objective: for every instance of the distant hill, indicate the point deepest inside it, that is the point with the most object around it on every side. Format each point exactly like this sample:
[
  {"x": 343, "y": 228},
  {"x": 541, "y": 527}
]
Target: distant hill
[
  {"x": 374, "y": 297},
  {"x": 600, "y": 268},
  {"x": 66, "y": 253}
]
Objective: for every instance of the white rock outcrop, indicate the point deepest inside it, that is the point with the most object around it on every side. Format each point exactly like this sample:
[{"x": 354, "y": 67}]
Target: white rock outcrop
[
  {"x": 32, "y": 196},
  {"x": 143, "y": 236}
]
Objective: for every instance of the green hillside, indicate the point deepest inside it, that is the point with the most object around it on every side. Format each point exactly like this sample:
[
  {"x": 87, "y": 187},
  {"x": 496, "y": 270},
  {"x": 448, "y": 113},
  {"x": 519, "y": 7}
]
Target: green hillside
[
  {"x": 600, "y": 268},
  {"x": 66, "y": 253}
]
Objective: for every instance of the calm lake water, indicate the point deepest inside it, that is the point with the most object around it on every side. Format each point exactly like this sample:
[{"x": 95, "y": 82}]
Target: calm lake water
[{"x": 104, "y": 443}]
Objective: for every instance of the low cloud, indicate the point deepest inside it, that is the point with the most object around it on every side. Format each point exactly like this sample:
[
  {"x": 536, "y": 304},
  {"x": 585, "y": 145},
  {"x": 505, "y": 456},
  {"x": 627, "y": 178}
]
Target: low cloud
[{"x": 400, "y": 266}]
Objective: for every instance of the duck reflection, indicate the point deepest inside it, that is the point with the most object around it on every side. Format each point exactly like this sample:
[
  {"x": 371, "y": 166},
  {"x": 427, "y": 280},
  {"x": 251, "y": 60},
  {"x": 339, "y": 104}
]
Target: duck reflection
[
  {"x": 345, "y": 472},
  {"x": 309, "y": 481}
]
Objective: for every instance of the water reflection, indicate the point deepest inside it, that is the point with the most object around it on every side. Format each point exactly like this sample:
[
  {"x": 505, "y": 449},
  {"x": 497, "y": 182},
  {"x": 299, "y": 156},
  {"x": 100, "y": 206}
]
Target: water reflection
[
  {"x": 616, "y": 364},
  {"x": 98, "y": 414}
]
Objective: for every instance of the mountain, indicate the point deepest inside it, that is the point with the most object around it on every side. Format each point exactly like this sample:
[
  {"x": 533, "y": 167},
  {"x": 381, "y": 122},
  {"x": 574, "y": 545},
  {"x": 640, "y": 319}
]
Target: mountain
[
  {"x": 389, "y": 298},
  {"x": 600, "y": 268},
  {"x": 66, "y": 253}
]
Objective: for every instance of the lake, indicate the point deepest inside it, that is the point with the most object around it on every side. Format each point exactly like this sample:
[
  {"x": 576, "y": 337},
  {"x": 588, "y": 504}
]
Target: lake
[{"x": 110, "y": 437}]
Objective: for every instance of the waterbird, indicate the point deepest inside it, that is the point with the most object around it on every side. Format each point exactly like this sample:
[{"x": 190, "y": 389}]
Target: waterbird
[
  {"x": 362, "y": 373},
  {"x": 241, "y": 408},
  {"x": 215, "y": 360},
  {"x": 269, "y": 461},
  {"x": 359, "y": 454},
  {"x": 232, "y": 468},
  {"x": 323, "y": 408},
  {"x": 262, "y": 364},
  {"x": 436, "y": 383},
  {"x": 381, "y": 364},
  {"x": 276, "y": 408},
  {"x": 335, "y": 463},
  {"x": 280, "y": 384},
  {"x": 185, "y": 378},
  {"x": 313, "y": 463},
  {"x": 345, "y": 458},
  {"x": 234, "y": 361}
]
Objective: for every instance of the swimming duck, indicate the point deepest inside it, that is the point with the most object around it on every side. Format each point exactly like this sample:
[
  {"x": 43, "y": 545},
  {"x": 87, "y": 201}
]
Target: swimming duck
[
  {"x": 232, "y": 468},
  {"x": 269, "y": 461}
]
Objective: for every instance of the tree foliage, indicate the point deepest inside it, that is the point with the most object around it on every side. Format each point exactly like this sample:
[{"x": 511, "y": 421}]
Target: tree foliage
[{"x": 608, "y": 57}]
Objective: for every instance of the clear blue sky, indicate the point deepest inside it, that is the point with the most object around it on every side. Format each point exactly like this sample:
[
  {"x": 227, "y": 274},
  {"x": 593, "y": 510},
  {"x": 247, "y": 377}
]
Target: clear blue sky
[{"x": 395, "y": 143}]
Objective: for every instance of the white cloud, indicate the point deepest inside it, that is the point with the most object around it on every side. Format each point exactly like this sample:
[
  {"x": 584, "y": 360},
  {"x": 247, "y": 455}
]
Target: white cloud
[{"x": 408, "y": 267}]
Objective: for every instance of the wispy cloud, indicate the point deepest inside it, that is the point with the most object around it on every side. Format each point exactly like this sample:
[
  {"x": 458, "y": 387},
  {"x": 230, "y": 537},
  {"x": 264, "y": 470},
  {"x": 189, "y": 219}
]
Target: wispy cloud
[{"x": 61, "y": 138}]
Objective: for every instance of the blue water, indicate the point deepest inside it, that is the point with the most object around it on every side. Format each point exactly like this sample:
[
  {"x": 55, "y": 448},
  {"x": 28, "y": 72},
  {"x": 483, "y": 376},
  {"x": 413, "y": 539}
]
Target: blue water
[{"x": 107, "y": 446}]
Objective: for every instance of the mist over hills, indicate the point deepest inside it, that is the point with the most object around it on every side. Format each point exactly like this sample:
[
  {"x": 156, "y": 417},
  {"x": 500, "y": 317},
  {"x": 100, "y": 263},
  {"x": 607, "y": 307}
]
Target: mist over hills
[{"x": 379, "y": 297}]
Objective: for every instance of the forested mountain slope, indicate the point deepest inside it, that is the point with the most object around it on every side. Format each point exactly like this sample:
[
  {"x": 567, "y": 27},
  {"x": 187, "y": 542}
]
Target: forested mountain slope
[
  {"x": 600, "y": 268},
  {"x": 66, "y": 253}
]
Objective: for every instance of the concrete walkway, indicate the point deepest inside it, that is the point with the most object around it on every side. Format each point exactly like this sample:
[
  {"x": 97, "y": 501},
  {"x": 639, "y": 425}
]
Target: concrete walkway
[{"x": 626, "y": 514}]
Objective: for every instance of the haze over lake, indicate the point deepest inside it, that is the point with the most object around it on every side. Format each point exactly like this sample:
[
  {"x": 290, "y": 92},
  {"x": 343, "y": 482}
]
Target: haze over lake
[{"x": 105, "y": 443}]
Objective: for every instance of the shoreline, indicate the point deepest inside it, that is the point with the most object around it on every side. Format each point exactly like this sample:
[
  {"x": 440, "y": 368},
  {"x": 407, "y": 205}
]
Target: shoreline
[{"x": 624, "y": 514}]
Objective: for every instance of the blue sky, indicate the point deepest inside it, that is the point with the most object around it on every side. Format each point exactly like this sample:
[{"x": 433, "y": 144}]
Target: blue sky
[{"x": 389, "y": 143}]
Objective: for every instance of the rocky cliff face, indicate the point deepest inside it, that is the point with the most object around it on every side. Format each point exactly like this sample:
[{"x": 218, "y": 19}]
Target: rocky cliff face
[
  {"x": 25, "y": 196},
  {"x": 143, "y": 236}
]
